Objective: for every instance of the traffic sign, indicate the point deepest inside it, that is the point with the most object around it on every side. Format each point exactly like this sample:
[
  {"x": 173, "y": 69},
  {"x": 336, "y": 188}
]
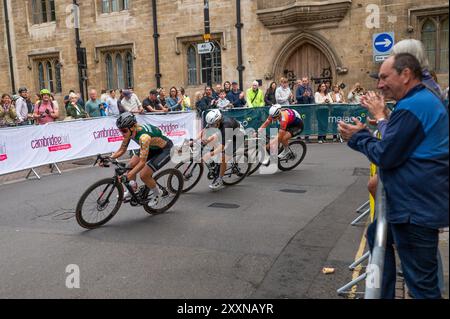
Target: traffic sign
[
  {"x": 206, "y": 47},
  {"x": 382, "y": 44}
]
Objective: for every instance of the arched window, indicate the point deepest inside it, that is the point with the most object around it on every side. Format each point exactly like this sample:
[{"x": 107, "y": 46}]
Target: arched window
[
  {"x": 129, "y": 70},
  {"x": 444, "y": 47},
  {"x": 41, "y": 76},
  {"x": 109, "y": 72},
  {"x": 192, "y": 65},
  {"x": 119, "y": 69},
  {"x": 429, "y": 42},
  {"x": 49, "y": 76},
  {"x": 58, "y": 77}
]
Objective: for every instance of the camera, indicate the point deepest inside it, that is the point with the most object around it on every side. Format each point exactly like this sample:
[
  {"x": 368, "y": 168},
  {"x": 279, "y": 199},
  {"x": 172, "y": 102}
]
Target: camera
[
  {"x": 342, "y": 86},
  {"x": 47, "y": 111}
]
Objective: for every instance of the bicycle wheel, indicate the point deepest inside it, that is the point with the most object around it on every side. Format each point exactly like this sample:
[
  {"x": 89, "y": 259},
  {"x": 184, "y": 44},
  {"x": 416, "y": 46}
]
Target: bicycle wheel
[
  {"x": 170, "y": 182},
  {"x": 99, "y": 203},
  {"x": 255, "y": 159},
  {"x": 299, "y": 149},
  {"x": 192, "y": 172},
  {"x": 237, "y": 170}
]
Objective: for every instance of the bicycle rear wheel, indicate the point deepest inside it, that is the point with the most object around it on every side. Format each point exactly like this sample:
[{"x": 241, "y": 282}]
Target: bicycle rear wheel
[
  {"x": 299, "y": 151},
  {"x": 191, "y": 172},
  {"x": 237, "y": 170},
  {"x": 170, "y": 182},
  {"x": 99, "y": 203}
]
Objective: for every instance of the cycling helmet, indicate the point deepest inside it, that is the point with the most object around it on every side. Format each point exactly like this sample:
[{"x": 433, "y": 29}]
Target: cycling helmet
[
  {"x": 126, "y": 120},
  {"x": 213, "y": 117},
  {"x": 45, "y": 91},
  {"x": 275, "y": 110}
]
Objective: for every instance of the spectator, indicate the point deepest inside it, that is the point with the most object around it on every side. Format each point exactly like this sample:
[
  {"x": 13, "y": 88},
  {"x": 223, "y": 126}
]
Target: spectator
[
  {"x": 321, "y": 97},
  {"x": 67, "y": 100},
  {"x": 113, "y": 108},
  {"x": 235, "y": 96},
  {"x": 131, "y": 103},
  {"x": 328, "y": 85},
  {"x": 152, "y": 104},
  {"x": 174, "y": 101},
  {"x": 22, "y": 107},
  {"x": 222, "y": 102},
  {"x": 119, "y": 102},
  {"x": 269, "y": 97},
  {"x": 255, "y": 96},
  {"x": 413, "y": 161},
  {"x": 283, "y": 93},
  {"x": 74, "y": 109},
  {"x": 185, "y": 100},
  {"x": 162, "y": 96},
  {"x": 103, "y": 96},
  {"x": 198, "y": 98},
  {"x": 217, "y": 91},
  {"x": 354, "y": 97},
  {"x": 304, "y": 93},
  {"x": 8, "y": 115},
  {"x": 336, "y": 95},
  {"x": 45, "y": 110},
  {"x": 227, "y": 87},
  {"x": 207, "y": 102},
  {"x": 92, "y": 106}
]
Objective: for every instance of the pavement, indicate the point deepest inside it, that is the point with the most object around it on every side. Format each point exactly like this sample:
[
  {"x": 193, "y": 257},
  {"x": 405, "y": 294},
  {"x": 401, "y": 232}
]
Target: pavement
[{"x": 273, "y": 245}]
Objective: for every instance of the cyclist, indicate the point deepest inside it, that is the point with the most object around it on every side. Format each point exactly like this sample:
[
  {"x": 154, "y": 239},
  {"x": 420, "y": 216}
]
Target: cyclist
[
  {"x": 153, "y": 154},
  {"x": 291, "y": 124},
  {"x": 215, "y": 119}
]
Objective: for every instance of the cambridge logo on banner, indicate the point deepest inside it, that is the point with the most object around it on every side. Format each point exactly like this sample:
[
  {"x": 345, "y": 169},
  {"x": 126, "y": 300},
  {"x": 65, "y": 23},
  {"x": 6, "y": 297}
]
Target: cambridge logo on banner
[
  {"x": 3, "y": 155},
  {"x": 53, "y": 143}
]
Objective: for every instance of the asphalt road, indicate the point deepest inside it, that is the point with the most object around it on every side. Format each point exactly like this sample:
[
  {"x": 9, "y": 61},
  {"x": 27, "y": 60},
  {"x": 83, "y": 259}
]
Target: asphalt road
[{"x": 273, "y": 245}]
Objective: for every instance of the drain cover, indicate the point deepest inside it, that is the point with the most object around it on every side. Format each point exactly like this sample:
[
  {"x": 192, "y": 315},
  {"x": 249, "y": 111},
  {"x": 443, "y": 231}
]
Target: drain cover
[
  {"x": 224, "y": 205},
  {"x": 294, "y": 191}
]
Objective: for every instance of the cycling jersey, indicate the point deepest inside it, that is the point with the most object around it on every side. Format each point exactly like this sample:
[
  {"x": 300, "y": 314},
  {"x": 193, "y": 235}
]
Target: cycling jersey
[
  {"x": 290, "y": 121},
  {"x": 148, "y": 137}
]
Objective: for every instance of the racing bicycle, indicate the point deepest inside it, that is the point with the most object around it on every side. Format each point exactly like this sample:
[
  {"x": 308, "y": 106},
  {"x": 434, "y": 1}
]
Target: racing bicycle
[
  {"x": 103, "y": 199},
  {"x": 193, "y": 168}
]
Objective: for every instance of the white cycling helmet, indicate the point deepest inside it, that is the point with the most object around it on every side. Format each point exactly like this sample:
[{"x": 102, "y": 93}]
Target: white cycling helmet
[
  {"x": 213, "y": 117},
  {"x": 275, "y": 110}
]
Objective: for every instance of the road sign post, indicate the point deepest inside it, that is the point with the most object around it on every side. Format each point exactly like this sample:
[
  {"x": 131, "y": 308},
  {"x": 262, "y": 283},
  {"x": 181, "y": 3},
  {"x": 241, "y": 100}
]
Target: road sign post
[{"x": 382, "y": 44}]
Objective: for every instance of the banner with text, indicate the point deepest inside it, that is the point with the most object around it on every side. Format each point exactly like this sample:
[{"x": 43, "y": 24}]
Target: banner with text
[{"x": 31, "y": 146}]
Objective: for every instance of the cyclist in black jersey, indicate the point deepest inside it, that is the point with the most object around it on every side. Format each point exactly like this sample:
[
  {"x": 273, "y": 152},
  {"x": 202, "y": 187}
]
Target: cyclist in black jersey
[{"x": 227, "y": 127}]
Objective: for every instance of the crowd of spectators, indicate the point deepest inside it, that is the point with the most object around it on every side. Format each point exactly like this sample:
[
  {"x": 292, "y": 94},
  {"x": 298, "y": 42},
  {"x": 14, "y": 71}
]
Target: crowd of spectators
[{"x": 22, "y": 110}]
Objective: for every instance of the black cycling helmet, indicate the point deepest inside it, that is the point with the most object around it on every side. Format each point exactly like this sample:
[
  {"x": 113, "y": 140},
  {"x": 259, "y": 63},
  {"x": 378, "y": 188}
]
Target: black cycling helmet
[{"x": 126, "y": 120}]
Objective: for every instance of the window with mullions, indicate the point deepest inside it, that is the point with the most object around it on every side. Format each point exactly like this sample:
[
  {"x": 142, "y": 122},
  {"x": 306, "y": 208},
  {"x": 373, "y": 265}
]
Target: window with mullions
[
  {"x": 43, "y": 11},
  {"x": 109, "y": 6},
  {"x": 434, "y": 35},
  {"x": 204, "y": 67},
  {"x": 118, "y": 69},
  {"x": 49, "y": 75}
]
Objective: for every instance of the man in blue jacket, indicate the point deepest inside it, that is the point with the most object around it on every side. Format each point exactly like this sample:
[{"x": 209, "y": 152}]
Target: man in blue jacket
[{"x": 413, "y": 161}]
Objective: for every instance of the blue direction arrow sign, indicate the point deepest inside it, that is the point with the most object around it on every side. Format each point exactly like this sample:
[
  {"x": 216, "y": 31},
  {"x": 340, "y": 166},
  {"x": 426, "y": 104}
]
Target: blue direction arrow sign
[{"x": 383, "y": 42}]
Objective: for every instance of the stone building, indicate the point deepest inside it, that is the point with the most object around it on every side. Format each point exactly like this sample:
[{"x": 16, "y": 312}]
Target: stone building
[{"x": 292, "y": 38}]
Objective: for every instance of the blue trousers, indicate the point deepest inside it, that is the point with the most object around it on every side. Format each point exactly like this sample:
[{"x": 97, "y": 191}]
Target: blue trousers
[{"x": 417, "y": 248}]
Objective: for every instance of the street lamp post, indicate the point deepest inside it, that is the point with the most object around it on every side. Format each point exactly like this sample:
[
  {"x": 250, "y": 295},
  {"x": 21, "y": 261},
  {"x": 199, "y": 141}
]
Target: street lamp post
[
  {"x": 207, "y": 37},
  {"x": 81, "y": 52}
]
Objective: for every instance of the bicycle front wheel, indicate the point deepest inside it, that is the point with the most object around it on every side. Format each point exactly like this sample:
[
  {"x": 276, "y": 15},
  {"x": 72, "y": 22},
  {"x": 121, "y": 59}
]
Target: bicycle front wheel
[
  {"x": 299, "y": 151},
  {"x": 237, "y": 170},
  {"x": 170, "y": 182},
  {"x": 99, "y": 203},
  {"x": 191, "y": 172}
]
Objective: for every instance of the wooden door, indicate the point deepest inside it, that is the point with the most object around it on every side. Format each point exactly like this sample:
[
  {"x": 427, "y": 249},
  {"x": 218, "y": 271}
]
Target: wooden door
[{"x": 307, "y": 60}]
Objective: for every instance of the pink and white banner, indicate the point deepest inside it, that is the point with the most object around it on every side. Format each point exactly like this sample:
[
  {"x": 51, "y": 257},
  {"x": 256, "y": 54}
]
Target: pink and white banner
[{"x": 31, "y": 146}]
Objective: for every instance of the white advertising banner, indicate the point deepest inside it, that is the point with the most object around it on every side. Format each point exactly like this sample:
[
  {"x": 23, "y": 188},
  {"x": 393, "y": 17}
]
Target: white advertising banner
[{"x": 31, "y": 146}]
